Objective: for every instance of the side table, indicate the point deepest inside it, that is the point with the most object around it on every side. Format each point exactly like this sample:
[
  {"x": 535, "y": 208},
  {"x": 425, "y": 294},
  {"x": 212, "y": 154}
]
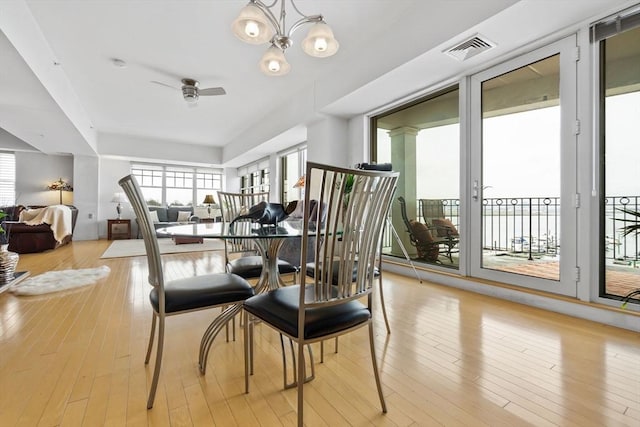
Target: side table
[{"x": 118, "y": 229}]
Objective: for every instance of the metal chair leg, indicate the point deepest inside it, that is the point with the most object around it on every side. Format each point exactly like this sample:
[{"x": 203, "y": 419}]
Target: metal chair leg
[
  {"x": 151, "y": 337},
  {"x": 294, "y": 383},
  {"x": 156, "y": 369},
  {"x": 375, "y": 369},
  {"x": 247, "y": 335},
  {"x": 384, "y": 308}
]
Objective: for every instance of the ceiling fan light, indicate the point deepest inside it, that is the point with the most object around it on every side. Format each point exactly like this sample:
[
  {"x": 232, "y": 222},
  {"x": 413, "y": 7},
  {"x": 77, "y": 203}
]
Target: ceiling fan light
[
  {"x": 274, "y": 63},
  {"x": 320, "y": 41},
  {"x": 252, "y": 26}
]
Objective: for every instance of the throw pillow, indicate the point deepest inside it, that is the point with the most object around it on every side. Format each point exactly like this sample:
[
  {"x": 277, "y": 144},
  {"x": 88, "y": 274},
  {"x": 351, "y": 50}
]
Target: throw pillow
[
  {"x": 445, "y": 227},
  {"x": 427, "y": 249},
  {"x": 154, "y": 216},
  {"x": 183, "y": 216},
  {"x": 420, "y": 232}
]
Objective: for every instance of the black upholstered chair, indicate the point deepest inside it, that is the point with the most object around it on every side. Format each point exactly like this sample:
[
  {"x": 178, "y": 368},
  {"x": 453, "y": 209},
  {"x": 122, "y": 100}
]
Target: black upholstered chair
[
  {"x": 248, "y": 264},
  {"x": 320, "y": 308},
  {"x": 183, "y": 295}
]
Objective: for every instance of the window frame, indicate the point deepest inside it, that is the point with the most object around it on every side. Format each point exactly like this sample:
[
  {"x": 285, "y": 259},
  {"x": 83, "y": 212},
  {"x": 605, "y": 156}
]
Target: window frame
[{"x": 183, "y": 174}]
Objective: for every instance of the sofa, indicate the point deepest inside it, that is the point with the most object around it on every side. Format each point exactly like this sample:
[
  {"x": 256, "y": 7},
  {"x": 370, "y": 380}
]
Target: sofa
[
  {"x": 168, "y": 217},
  {"x": 24, "y": 238}
]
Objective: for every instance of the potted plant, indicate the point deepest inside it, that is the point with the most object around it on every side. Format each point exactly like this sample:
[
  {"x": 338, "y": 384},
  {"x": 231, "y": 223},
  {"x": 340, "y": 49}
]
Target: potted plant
[
  {"x": 632, "y": 225},
  {"x": 4, "y": 237},
  {"x": 8, "y": 260}
]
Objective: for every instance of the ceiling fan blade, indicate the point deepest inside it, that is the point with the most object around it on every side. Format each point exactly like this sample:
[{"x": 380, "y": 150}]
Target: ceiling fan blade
[
  {"x": 164, "y": 84},
  {"x": 210, "y": 91}
]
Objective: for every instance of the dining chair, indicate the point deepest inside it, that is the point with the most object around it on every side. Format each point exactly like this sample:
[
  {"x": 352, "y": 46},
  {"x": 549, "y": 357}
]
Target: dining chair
[
  {"x": 377, "y": 272},
  {"x": 249, "y": 264},
  {"x": 171, "y": 297},
  {"x": 319, "y": 307}
]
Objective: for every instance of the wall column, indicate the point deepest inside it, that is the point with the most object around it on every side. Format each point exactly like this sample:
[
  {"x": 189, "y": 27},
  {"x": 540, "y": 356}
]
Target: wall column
[{"x": 403, "y": 159}]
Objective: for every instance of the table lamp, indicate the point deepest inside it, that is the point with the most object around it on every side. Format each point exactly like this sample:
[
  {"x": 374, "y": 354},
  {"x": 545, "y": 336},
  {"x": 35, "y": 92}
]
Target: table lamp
[
  {"x": 208, "y": 200},
  {"x": 119, "y": 198},
  {"x": 60, "y": 186}
]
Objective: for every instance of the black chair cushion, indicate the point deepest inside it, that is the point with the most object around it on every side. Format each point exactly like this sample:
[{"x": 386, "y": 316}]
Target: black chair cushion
[
  {"x": 250, "y": 267},
  {"x": 280, "y": 309},
  {"x": 311, "y": 271},
  {"x": 202, "y": 291}
]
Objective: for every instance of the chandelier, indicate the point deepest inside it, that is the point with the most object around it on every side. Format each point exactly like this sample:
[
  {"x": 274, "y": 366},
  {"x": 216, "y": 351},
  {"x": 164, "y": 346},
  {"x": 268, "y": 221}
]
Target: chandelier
[{"x": 257, "y": 24}]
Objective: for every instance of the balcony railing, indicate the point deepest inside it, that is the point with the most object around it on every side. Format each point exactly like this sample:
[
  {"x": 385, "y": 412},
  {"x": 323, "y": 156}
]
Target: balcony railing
[
  {"x": 619, "y": 247},
  {"x": 531, "y": 225}
]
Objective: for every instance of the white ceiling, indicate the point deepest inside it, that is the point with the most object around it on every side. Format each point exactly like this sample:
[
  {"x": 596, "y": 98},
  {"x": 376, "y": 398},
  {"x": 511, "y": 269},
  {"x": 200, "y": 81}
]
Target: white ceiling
[{"x": 61, "y": 93}]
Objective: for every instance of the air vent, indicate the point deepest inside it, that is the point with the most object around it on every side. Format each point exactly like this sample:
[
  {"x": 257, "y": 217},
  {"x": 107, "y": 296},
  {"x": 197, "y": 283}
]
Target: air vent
[{"x": 470, "y": 47}]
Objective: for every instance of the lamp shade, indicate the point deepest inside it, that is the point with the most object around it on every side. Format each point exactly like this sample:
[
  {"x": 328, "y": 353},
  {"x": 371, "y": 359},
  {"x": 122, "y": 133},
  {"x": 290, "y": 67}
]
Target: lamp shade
[
  {"x": 273, "y": 62},
  {"x": 119, "y": 198},
  {"x": 320, "y": 41},
  {"x": 208, "y": 200},
  {"x": 60, "y": 186},
  {"x": 252, "y": 26},
  {"x": 300, "y": 182}
]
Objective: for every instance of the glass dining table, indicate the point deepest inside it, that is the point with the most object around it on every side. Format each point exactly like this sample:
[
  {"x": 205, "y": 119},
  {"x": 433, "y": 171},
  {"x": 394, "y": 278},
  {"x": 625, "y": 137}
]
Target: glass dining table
[{"x": 268, "y": 240}]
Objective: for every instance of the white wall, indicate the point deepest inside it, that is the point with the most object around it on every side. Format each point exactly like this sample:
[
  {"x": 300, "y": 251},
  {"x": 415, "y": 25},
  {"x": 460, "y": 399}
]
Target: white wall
[
  {"x": 328, "y": 141},
  {"x": 86, "y": 170},
  {"x": 111, "y": 170},
  {"x": 35, "y": 171}
]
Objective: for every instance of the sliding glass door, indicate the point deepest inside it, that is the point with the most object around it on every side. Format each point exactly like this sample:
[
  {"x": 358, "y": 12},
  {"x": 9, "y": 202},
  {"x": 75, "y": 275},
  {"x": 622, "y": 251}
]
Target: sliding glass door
[
  {"x": 619, "y": 47},
  {"x": 523, "y": 151}
]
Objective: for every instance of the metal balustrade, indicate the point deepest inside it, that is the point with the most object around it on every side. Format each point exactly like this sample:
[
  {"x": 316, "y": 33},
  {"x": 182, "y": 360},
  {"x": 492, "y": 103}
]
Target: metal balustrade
[
  {"x": 617, "y": 246},
  {"x": 531, "y": 225}
]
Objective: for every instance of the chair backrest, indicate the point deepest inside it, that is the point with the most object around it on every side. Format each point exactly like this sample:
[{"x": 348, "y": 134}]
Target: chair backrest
[
  {"x": 403, "y": 212},
  {"x": 156, "y": 278},
  {"x": 356, "y": 206},
  {"x": 431, "y": 208},
  {"x": 232, "y": 205}
]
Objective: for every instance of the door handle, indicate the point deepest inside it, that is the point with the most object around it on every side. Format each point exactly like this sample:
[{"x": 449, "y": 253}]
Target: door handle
[{"x": 475, "y": 190}]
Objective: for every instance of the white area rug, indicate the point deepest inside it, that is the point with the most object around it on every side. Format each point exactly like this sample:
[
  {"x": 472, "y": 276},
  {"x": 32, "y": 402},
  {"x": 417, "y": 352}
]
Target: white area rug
[
  {"x": 135, "y": 247},
  {"x": 55, "y": 281}
]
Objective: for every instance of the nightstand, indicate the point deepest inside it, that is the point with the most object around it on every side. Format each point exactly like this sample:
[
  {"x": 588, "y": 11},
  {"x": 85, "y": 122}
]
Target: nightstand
[{"x": 118, "y": 229}]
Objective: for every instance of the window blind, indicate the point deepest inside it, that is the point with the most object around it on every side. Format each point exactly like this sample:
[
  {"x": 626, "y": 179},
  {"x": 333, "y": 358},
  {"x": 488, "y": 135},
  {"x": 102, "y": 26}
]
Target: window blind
[
  {"x": 7, "y": 179},
  {"x": 621, "y": 22}
]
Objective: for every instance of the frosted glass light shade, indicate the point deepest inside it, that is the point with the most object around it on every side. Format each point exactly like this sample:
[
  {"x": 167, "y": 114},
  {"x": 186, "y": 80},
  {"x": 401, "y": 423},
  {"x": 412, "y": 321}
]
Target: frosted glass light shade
[
  {"x": 320, "y": 41},
  {"x": 252, "y": 26},
  {"x": 273, "y": 62}
]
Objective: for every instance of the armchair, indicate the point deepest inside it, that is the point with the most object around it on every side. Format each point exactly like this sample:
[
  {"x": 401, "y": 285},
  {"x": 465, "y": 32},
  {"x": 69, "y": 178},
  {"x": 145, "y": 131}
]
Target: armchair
[{"x": 24, "y": 238}]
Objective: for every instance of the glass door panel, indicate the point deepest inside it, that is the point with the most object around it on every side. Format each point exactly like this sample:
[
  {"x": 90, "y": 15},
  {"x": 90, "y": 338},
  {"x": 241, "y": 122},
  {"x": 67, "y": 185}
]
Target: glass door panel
[
  {"x": 521, "y": 170},
  {"x": 620, "y": 207},
  {"x": 524, "y": 177}
]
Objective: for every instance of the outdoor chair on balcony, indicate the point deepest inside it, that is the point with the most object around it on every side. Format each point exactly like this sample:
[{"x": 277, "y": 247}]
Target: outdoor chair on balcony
[
  {"x": 427, "y": 246},
  {"x": 444, "y": 231}
]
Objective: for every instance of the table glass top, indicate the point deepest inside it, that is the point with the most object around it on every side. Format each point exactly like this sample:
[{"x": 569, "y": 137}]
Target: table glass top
[{"x": 239, "y": 230}]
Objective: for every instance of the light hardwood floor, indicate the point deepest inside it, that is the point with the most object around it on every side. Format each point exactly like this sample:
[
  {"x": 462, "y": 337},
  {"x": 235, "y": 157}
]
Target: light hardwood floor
[{"x": 453, "y": 358}]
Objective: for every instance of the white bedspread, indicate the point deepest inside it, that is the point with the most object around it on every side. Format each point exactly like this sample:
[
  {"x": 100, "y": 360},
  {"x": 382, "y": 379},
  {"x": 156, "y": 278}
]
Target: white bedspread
[{"x": 57, "y": 216}]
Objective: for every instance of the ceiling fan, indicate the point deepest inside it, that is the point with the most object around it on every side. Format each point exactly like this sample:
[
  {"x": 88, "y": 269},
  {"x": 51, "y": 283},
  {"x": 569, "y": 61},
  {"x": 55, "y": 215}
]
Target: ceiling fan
[{"x": 191, "y": 92}]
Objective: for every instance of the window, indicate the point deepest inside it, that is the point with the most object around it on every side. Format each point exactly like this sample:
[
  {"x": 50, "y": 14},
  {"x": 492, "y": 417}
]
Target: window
[
  {"x": 7, "y": 179},
  {"x": 293, "y": 166},
  {"x": 422, "y": 141},
  {"x": 254, "y": 177},
  {"x": 618, "y": 41},
  {"x": 176, "y": 186},
  {"x": 207, "y": 183}
]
